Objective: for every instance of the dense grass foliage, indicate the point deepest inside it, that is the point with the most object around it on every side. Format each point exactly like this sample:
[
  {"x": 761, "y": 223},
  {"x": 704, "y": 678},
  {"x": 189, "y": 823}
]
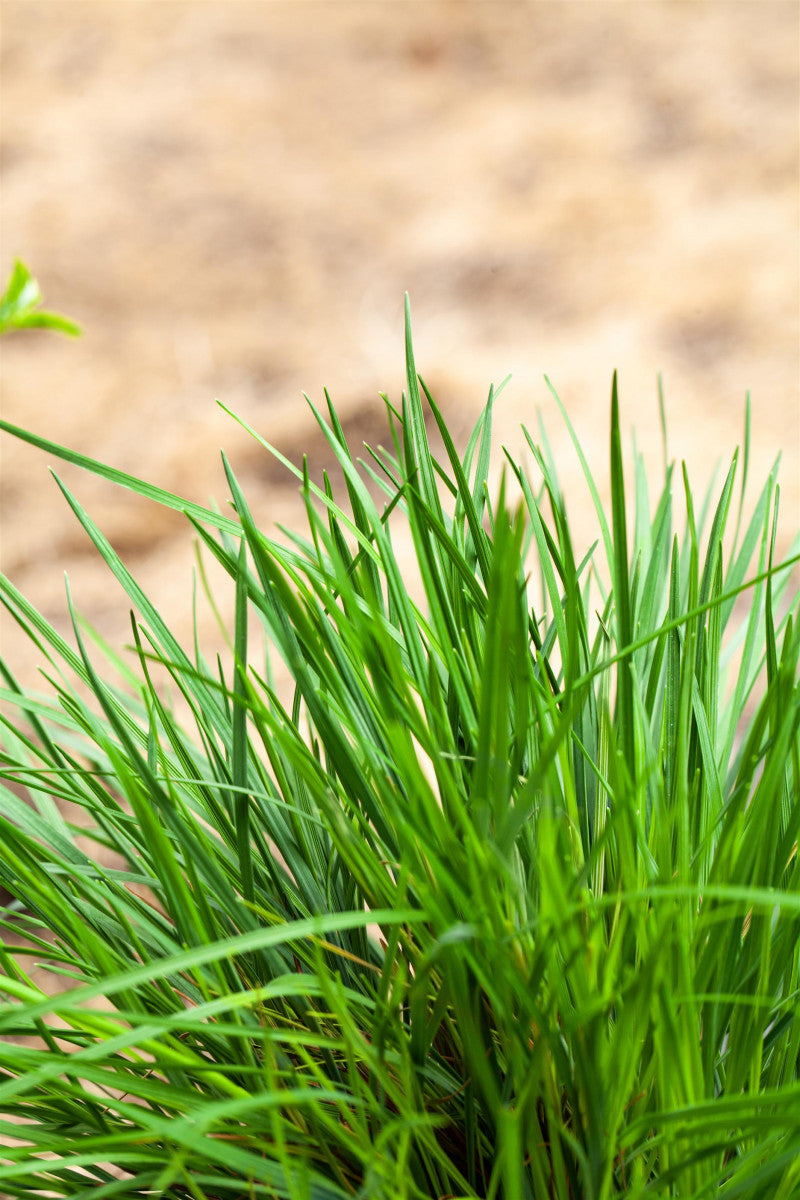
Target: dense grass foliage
[{"x": 503, "y": 900}]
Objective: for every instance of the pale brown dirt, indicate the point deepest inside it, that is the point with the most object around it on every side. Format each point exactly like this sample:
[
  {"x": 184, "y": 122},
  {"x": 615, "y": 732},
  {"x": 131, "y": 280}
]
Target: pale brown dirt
[{"x": 233, "y": 197}]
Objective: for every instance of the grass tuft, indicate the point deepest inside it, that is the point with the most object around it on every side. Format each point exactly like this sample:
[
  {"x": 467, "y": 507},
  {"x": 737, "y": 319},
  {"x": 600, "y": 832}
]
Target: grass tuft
[{"x": 500, "y": 898}]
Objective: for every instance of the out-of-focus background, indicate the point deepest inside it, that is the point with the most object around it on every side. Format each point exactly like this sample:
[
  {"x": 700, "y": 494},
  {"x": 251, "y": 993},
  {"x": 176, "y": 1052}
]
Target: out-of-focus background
[{"x": 232, "y": 198}]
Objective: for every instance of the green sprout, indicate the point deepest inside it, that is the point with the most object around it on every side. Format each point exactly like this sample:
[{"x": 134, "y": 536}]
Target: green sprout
[{"x": 19, "y": 306}]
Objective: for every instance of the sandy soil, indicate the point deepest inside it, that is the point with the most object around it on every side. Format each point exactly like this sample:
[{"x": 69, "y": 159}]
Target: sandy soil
[{"x": 233, "y": 197}]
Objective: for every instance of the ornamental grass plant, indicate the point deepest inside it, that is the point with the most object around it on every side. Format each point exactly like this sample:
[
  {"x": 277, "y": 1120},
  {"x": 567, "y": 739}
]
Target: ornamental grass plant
[{"x": 501, "y": 899}]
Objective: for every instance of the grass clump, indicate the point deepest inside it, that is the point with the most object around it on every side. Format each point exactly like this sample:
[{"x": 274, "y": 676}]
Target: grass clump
[{"x": 503, "y": 901}]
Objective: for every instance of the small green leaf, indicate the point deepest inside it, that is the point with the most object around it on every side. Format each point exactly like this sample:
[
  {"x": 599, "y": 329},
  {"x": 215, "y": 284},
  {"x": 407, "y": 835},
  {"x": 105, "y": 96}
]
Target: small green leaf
[{"x": 19, "y": 306}]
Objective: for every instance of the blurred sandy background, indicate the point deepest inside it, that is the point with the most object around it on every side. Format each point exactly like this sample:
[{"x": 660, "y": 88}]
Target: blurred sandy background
[{"x": 232, "y": 198}]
